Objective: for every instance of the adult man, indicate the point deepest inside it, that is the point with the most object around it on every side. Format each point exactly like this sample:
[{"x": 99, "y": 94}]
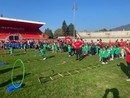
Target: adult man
[{"x": 77, "y": 46}]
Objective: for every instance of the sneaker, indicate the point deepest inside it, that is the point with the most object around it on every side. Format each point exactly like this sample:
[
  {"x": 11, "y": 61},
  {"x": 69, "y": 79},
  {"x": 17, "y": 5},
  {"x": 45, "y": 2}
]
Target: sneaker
[
  {"x": 128, "y": 80},
  {"x": 111, "y": 59},
  {"x": 44, "y": 58},
  {"x": 106, "y": 62},
  {"x": 103, "y": 63}
]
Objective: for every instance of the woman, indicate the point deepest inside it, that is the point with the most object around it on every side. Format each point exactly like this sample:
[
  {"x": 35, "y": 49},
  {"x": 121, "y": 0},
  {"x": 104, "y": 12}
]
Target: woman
[{"x": 127, "y": 49}]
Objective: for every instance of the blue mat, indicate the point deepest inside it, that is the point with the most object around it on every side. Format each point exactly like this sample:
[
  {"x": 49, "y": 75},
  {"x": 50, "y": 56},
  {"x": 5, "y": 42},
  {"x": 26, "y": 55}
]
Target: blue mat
[
  {"x": 12, "y": 88},
  {"x": 3, "y": 63}
]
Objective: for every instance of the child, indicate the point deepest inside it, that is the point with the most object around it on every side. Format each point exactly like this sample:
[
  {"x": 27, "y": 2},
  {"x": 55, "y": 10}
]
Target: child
[
  {"x": 70, "y": 50},
  {"x": 89, "y": 51},
  {"x": 117, "y": 51},
  {"x": 87, "y": 47},
  {"x": 55, "y": 47},
  {"x": 11, "y": 50},
  {"x": 44, "y": 46},
  {"x": 108, "y": 52},
  {"x": 112, "y": 49},
  {"x": 97, "y": 49},
  {"x": 104, "y": 55},
  {"x": 84, "y": 49},
  {"x": 100, "y": 54},
  {"x": 43, "y": 53},
  {"x": 24, "y": 47},
  {"x": 52, "y": 48}
]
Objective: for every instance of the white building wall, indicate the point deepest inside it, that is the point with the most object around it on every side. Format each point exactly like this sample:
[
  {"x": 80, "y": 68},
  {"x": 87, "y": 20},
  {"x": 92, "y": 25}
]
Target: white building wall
[{"x": 105, "y": 36}]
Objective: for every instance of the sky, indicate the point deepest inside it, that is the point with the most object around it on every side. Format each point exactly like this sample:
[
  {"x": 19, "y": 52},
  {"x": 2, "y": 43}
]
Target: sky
[{"x": 90, "y": 15}]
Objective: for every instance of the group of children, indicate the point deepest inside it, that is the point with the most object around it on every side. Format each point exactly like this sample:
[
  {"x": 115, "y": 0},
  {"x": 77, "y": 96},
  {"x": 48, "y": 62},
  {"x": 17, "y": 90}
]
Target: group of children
[
  {"x": 11, "y": 49},
  {"x": 105, "y": 52}
]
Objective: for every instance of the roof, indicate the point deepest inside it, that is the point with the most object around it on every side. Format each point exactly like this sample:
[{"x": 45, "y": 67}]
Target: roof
[{"x": 10, "y": 22}]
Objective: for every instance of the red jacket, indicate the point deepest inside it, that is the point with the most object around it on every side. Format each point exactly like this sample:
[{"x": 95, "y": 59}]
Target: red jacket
[
  {"x": 77, "y": 44},
  {"x": 128, "y": 55},
  {"x": 122, "y": 44}
]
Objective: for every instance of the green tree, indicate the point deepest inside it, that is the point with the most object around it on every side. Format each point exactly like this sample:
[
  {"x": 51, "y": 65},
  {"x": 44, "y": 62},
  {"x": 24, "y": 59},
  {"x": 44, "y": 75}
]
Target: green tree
[
  {"x": 104, "y": 29},
  {"x": 64, "y": 28},
  {"x": 70, "y": 29},
  {"x": 49, "y": 33},
  {"x": 58, "y": 32}
]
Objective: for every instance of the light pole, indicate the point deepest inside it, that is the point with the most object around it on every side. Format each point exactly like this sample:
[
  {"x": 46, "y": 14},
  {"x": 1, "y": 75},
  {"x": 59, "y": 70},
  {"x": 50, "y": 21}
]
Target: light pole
[{"x": 74, "y": 8}]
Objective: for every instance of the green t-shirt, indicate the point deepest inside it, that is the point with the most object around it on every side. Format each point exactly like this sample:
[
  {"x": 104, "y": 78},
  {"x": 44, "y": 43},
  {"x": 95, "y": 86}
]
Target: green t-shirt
[
  {"x": 100, "y": 52},
  {"x": 89, "y": 47},
  {"x": 84, "y": 49},
  {"x": 70, "y": 48},
  {"x": 11, "y": 49},
  {"x": 112, "y": 51},
  {"x": 49, "y": 46},
  {"x": 117, "y": 50},
  {"x": 109, "y": 52},
  {"x": 24, "y": 46},
  {"x": 104, "y": 54},
  {"x": 97, "y": 49},
  {"x": 44, "y": 46},
  {"x": 56, "y": 46}
]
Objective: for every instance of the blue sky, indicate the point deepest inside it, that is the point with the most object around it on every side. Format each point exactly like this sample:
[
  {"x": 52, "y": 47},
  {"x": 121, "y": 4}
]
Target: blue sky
[{"x": 91, "y": 15}]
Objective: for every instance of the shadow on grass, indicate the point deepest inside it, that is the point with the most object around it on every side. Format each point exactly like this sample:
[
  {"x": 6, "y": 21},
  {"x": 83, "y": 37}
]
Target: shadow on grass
[
  {"x": 18, "y": 77},
  {"x": 124, "y": 68},
  {"x": 18, "y": 54},
  {"x": 51, "y": 56},
  {"x": 114, "y": 91},
  {"x": 82, "y": 57},
  {"x": 44, "y": 79},
  {"x": 7, "y": 70}
]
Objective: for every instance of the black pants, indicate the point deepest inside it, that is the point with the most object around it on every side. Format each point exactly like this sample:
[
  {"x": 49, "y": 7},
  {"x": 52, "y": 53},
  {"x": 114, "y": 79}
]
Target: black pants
[
  {"x": 116, "y": 55},
  {"x": 78, "y": 53},
  {"x": 104, "y": 60},
  {"x": 128, "y": 64},
  {"x": 70, "y": 53}
]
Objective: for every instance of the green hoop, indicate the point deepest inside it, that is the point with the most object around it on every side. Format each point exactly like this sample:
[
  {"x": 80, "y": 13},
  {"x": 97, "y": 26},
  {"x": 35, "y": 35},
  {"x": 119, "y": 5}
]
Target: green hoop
[{"x": 22, "y": 72}]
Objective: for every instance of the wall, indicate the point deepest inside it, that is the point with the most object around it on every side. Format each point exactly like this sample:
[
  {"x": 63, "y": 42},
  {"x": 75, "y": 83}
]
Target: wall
[{"x": 105, "y": 36}]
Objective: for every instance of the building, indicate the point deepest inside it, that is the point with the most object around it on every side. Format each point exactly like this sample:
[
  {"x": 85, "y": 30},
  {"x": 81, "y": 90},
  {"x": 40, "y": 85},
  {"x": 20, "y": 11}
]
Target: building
[
  {"x": 17, "y": 29},
  {"x": 105, "y": 36}
]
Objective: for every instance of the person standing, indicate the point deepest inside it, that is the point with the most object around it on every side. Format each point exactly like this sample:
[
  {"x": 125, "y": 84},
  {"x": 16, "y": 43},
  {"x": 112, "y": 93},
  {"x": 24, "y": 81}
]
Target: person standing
[
  {"x": 24, "y": 47},
  {"x": 122, "y": 44},
  {"x": 77, "y": 46},
  {"x": 104, "y": 55},
  {"x": 127, "y": 49},
  {"x": 11, "y": 50},
  {"x": 43, "y": 53},
  {"x": 70, "y": 50}
]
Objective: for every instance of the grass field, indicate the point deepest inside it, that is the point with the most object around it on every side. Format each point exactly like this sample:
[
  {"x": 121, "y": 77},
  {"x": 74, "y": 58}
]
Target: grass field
[{"x": 60, "y": 76}]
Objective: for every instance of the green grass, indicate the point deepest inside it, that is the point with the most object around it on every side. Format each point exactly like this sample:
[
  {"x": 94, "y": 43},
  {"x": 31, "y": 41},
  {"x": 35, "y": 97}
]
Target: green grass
[{"x": 91, "y": 80}]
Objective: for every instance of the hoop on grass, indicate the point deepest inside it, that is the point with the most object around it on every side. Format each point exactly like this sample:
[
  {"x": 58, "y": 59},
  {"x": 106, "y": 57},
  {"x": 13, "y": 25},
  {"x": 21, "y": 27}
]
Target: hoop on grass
[{"x": 23, "y": 73}]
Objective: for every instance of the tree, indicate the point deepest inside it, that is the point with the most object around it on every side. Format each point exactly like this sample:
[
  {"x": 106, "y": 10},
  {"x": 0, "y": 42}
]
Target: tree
[
  {"x": 58, "y": 32},
  {"x": 104, "y": 29},
  {"x": 64, "y": 28},
  {"x": 49, "y": 33},
  {"x": 70, "y": 29}
]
